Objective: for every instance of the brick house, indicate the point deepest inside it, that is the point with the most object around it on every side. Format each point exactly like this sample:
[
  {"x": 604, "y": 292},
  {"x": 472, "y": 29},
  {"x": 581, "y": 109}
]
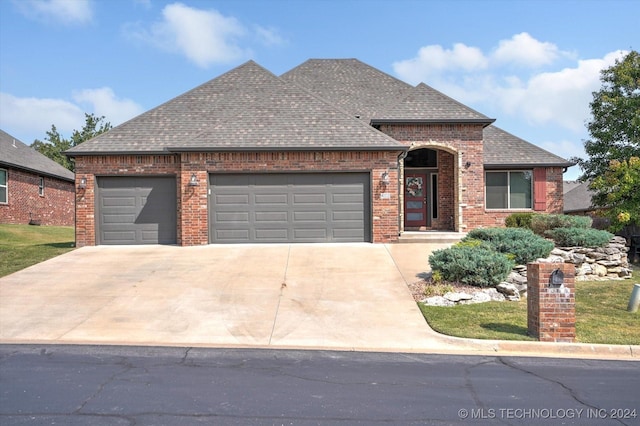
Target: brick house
[
  {"x": 331, "y": 151},
  {"x": 33, "y": 188}
]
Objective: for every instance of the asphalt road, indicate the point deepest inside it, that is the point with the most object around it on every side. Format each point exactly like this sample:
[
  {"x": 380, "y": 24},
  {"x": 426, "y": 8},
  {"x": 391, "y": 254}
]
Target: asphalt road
[{"x": 101, "y": 385}]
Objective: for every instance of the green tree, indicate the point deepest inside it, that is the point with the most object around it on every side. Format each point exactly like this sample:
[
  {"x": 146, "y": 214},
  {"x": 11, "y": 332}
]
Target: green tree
[
  {"x": 54, "y": 145},
  {"x": 617, "y": 190},
  {"x": 615, "y": 124}
]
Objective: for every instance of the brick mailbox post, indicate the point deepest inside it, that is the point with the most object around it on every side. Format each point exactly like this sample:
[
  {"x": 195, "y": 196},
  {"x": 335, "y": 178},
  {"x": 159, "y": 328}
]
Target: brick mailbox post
[{"x": 551, "y": 302}]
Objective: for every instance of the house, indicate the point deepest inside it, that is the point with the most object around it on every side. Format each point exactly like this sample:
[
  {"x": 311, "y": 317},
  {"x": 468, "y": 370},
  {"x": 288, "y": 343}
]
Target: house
[
  {"x": 33, "y": 188},
  {"x": 331, "y": 151}
]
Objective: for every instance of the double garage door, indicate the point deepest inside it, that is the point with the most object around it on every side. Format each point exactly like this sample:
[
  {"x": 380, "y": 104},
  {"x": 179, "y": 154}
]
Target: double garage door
[
  {"x": 243, "y": 208},
  {"x": 296, "y": 207}
]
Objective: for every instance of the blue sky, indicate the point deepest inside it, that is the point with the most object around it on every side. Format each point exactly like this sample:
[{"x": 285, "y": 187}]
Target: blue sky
[{"x": 531, "y": 65}]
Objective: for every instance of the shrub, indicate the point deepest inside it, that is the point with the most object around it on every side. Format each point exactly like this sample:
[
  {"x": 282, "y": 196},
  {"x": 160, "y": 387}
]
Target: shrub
[
  {"x": 519, "y": 244},
  {"x": 475, "y": 266},
  {"x": 579, "y": 237},
  {"x": 519, "y": 220},
  {"x": 541, "y": 223}
]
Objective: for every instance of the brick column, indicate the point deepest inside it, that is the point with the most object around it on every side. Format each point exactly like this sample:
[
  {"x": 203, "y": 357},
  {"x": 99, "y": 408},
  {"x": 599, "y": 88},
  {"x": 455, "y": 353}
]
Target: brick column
[{"x": 551, "y": 311}]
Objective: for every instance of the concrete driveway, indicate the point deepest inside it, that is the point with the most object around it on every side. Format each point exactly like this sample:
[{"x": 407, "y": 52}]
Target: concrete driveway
[{"x": 347, "y": 296}]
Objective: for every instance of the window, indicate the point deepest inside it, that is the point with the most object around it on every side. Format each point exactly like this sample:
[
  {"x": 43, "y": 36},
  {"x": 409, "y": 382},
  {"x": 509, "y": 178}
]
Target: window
[
  {"x": 422, "y": 157},
  {"x": 4, "y": 190},
  {"x": 509, "y": 190},
  {"x": 41, "y": 186}
]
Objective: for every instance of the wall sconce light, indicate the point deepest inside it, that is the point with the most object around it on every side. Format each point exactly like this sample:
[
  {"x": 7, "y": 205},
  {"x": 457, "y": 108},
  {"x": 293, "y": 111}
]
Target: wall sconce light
[
  {"x": 83, "y": 183},
  {"x": 467, "y": 164},
  {"x": 194, "y": 180},
  {"x": 384, "y": 178}
]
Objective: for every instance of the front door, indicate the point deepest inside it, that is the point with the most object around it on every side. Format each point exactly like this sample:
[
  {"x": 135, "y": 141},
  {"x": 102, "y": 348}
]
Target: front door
[{"x": 415, "y": 200}]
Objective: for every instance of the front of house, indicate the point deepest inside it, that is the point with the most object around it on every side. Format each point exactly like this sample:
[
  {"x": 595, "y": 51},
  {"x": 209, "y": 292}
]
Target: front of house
[{"x": 331, "y": 151}]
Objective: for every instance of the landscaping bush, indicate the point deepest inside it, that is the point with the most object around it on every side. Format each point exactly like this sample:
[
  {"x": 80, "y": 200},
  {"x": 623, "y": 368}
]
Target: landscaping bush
[
  {"x": 477, "y": 266},
  {"x": 519, "y": 220},
  {"x": 579, "y": 237},
  {"x": 541, "y": 223},
  {"x": 519, "y": 243}
]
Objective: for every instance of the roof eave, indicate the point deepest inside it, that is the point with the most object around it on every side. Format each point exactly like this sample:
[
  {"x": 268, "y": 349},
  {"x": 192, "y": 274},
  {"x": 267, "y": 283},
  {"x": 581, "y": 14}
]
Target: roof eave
[
  {"x": 516, "y": 165},
  {"x": 401, "y": 148},
  {"x": 35, "y": 171},
  {"x": 484, "y": 121}
]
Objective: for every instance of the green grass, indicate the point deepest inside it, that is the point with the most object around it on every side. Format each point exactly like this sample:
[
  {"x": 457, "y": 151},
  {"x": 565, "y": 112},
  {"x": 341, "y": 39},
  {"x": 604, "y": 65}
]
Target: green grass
[
  {"x": 601, "y": 316},
  {"x": 24, "y": 245}
]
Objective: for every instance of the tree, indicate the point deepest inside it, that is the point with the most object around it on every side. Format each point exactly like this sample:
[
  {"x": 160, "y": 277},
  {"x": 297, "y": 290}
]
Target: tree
[
  {"x": 617, "y": 190},
  {"x": 54, "y": 145},
  {"x": 613, "y": 166},
  {"x": 615, "y": 124}
]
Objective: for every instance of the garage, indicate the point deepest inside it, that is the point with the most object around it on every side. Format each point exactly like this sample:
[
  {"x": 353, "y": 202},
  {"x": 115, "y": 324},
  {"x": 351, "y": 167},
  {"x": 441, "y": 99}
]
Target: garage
[
  {"x": 290, "y": 207},
  {"x": 136, "y": 210}
]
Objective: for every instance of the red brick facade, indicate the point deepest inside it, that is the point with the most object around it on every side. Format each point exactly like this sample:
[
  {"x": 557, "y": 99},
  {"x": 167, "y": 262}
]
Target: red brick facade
[
  {"x": 192, "y": 201},
  {"x": 24, "y": 202},
  {"x": 461, "y": 175},
  {"x": 551, "y": 313},
  {"x": 460, "y": 169}
]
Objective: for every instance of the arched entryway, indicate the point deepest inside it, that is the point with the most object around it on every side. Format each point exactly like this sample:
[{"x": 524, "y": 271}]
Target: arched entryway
[{"x": 429, "y": 189}]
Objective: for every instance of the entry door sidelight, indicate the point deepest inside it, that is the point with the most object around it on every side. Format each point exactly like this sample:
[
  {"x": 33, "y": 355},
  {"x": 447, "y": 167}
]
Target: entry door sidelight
[{"x": 415, "y": 200}]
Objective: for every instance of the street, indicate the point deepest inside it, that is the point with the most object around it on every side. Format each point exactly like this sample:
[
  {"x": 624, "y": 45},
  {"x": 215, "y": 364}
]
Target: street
[{"x": 111, "y": 385}]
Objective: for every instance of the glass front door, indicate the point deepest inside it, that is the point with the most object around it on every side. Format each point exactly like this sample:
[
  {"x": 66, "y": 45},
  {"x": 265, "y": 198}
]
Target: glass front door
[{"x": 415, "y": 200}]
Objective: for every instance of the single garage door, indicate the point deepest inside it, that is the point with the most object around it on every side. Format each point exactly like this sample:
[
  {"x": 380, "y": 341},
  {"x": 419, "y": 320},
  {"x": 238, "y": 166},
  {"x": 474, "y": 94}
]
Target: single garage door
[
  {"x": 136, "y": 210},
  {"x": 303, "y": 207}
]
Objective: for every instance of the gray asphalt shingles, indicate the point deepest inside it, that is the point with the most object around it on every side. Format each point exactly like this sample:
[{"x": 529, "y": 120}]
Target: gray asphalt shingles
[{"x": 17, "y": 154}]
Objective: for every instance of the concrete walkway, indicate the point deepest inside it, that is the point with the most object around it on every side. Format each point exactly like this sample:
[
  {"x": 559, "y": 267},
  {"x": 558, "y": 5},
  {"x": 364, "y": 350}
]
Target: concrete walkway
[{"x": 320, "y": 296}]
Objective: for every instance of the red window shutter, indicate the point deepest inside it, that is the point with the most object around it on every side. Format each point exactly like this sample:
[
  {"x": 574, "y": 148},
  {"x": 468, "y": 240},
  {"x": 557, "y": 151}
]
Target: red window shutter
[{"x": 540, "y": 189}]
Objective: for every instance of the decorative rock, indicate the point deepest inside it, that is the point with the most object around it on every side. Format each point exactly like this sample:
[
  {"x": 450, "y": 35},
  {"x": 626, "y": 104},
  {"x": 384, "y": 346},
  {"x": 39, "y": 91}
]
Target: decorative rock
[
  {"x": 599, "y": 269},
  {"x": 480, "y": 297},
  {"x": 516, "y": 278},
  {"x": 509, "y": 290},
  {"x": 437, "y": 301},
  {"x": 456, "y": 297}
]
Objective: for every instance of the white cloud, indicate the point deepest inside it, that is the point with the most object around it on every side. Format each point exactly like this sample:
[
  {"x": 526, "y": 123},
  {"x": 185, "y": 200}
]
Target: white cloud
[
  {"x": 33, "y": 117},
  {"x": 559, "y": 97},
  {"x": 67, "y": 12},
  {"x": 205, "y": 37},
  {"x": 269, "y": 36},
  {"x": 524, "y": 50},
  {"x": 105, "y": 103},
  {"x": 433, "y": 60}
]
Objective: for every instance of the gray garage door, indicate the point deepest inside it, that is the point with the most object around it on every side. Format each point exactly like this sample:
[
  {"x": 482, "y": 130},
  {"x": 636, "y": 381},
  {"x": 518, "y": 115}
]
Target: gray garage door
[
  {"x": 273, "y": 208},
  {"x": 136, "y": 210}
]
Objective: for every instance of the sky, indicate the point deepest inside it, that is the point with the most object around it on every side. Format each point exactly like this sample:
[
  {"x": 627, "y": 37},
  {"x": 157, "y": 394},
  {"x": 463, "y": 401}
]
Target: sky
[{"x": 531, "y": 65}]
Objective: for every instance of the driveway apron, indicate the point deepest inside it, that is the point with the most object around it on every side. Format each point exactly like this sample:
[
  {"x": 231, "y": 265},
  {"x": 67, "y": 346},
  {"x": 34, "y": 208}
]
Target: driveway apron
[{"x": 340, "y": 296}]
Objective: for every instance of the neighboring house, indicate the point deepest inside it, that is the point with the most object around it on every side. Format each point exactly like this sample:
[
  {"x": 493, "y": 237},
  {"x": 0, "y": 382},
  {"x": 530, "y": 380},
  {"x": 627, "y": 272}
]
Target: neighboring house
[
  {"x": 331, "y": 151},
  {"x": 33, "y": 188},
  {"x": 577, "y": 198}
]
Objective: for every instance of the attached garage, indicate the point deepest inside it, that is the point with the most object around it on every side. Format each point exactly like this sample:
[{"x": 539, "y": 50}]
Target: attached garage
[
  {"x": 290, "y": 207},
  {"x": 136, "y": 210}
]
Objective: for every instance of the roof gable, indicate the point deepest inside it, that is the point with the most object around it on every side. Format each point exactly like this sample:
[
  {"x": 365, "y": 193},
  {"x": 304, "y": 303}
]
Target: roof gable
[
  {"x": 246, "y": 108},
  {"x": 16, "y": 154}
]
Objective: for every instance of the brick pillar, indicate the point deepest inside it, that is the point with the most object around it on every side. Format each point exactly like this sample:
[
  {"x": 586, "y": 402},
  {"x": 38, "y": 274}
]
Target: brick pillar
[{"x": 551, "y": 311}]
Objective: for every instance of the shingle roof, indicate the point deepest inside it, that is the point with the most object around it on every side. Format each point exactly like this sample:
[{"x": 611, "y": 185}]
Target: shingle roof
[
  {"x": 502, "y": 149},
  {"x": 350, "y": 84},
  {"x": 14, "y": 153},
  {"x": 311, "y": 107},
  {"x": 424, "y": 103},
  {"x": 578, "y": 199},
  {"x": 245, "y": 108}
]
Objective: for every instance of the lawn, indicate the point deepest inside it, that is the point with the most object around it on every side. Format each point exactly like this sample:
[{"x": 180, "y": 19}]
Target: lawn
[
  {"x": 25, "y": 245},
  {"x": 601, "y": 316}
]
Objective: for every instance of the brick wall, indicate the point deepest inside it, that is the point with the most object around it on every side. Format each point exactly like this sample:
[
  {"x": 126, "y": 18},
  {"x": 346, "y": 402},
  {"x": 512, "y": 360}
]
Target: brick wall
[
  {"x": 25, "y": 203},
  {"x": 193, "y": 217},
  {"x": 551, "y": 314},
  {"x": 117, "y": 165}
]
